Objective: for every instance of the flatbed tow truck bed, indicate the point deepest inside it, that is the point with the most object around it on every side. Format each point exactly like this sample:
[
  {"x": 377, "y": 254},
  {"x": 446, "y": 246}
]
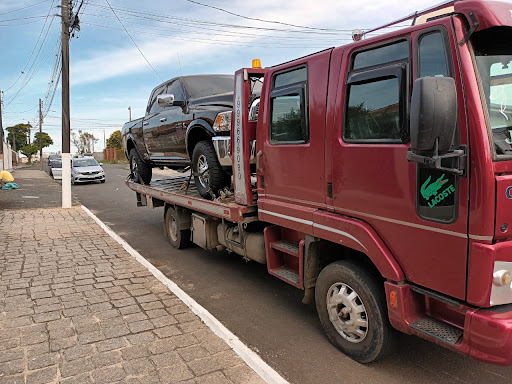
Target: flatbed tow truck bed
[{"x": 181, "y": 191}]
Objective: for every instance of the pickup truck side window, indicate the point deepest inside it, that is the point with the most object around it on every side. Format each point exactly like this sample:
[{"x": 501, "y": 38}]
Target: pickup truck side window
[
  {"x": 176, "y": 89},
  {"x": 288, "y": 107},
  {"x": 153, "y": 106}
]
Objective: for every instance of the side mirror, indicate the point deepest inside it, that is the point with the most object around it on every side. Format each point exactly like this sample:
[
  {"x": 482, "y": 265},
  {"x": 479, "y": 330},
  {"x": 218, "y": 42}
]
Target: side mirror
[
  {"x": 433, "y": 122},
  {"x": 168, "y": 101},
  {"x": 433, "y": 114}
]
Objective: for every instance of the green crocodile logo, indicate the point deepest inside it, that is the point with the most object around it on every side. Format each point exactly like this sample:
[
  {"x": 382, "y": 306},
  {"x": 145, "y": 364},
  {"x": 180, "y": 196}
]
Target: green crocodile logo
[{"x": 432, "y": 190}]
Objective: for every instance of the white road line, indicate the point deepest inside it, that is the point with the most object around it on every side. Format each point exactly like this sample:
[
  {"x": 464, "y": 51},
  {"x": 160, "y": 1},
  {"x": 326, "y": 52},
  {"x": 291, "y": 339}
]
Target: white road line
[{"x": 252, "y": 359}]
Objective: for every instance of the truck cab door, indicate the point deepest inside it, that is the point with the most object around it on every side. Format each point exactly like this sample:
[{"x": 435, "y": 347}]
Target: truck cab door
[
  {"x": 424, "y": 227},
  {"x": 291, "y": 140}
]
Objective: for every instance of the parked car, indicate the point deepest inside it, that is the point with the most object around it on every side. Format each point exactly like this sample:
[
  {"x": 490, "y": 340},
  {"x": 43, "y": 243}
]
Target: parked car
[
  {"x": 187, "y": 121},
  {"x": 86, "y": 169},
  {"x": 56, "y": 169},
  {"x": 52, "y": 158}
]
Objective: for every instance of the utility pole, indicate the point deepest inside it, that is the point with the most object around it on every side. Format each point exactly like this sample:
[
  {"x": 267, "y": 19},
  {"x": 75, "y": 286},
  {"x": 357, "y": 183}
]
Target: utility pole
[
  {"x": 130, "y": 111},
  {"x": 28, "y": 124},
  {"x": 66, "y": 144},
  {"x": 104, "y": 141},
  {"x": 41, "y": 134}
]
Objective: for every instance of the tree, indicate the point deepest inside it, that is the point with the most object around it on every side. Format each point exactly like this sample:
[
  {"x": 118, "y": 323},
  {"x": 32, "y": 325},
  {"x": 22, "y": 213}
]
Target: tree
[
  {"x": 29, "y": 150},
  {"x": 114, "y": 141},
  {"x": 84, "y": 141},
  {"x": 18, "y": 134},
  {"x": 47, "y": 140}
]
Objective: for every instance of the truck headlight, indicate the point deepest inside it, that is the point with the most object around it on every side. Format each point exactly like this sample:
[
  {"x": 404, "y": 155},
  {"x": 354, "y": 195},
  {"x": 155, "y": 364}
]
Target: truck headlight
[
  {"x": 501, "y": 289},
  {"x": 222, "y": 122}
]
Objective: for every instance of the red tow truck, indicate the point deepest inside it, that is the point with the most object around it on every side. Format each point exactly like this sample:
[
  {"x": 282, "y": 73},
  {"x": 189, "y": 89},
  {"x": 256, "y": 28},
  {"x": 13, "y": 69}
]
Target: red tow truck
[{"x": 382, "y": 186}]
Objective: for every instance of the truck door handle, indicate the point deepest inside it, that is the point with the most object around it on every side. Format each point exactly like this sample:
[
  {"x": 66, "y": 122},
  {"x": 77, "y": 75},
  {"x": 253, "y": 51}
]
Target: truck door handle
[
  {"x": 163, "y": 119},
  {"x": 258, "y": 155},
  {"x": 145, "y": 123}
]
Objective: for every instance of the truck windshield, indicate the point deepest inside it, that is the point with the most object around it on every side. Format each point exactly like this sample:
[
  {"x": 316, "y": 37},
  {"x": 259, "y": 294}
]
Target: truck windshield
[
  {"x": 493, "y": 54},
  {"x": 208, "y": 85}
]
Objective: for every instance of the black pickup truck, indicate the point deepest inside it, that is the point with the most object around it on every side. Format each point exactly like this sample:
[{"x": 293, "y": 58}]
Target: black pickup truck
[{"x": 187, "y": 122}]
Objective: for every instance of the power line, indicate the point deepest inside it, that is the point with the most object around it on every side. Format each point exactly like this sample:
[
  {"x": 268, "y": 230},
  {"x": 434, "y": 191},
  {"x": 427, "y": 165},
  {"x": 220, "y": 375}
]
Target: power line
[
  {"x": 120, "y": 22},
  {"x": 261, "y": 20},
  {"x": 21, "y": 9}
]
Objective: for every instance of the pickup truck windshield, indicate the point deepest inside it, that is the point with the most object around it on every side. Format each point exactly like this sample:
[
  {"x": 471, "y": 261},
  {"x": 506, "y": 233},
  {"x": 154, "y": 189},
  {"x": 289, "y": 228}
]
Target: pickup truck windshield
[
  {"x": 208, "y": 85},
  {"x": 493, "y": 54}
]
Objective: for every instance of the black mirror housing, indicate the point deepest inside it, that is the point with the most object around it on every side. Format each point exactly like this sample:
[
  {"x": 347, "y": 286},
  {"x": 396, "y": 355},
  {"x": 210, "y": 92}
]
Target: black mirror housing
[{"x": 433, "y": 114}]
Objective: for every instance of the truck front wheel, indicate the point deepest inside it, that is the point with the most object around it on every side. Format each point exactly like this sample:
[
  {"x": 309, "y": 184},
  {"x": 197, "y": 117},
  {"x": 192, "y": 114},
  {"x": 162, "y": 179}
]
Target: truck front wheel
[
  {"x": 351, "y": 306},
  {"x": 141, "y": 171},
  {"x": 208, "y": 173}
]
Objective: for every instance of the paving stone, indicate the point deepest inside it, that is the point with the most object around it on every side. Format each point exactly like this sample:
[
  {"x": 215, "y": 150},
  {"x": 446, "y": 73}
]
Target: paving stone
[
  {"x": 167, "y": 331},
  {"x": 182, "y": 341},
  {"x": 138, "y": 366},
  {"x": 78, "y": 351},
  {"x": 192, "y": 353},
  {"x": 242, "y": 374},
  {"x": 141, "y": 338},
  {"x": 213, "y": 378},
  {"x": 161, "y": 346},
  {"x": 108, "y": 375},
  {"x": 176, "y": 373},
  {"x": 140, "y": 326},
  {"x": 6, "y": 356},
  {"x": 76, "y": 366},
  {"x": 161, "y": 322},
  {"x": 203, "y": 366},
  {"x": 43, "y": 361},
  {"x": 135, "y": 352},
  {"x": 47, "y": 375},
  {"x": 12, "y": 367},
  {"x": 111, "y": 344},
  {"x": 116, "y": 331},
  {"x": 166, "y": 359},
  {"x": 106, "y": 358},
  {"x": 46, "y": 317},
  {"x": 84, "y": 378}
]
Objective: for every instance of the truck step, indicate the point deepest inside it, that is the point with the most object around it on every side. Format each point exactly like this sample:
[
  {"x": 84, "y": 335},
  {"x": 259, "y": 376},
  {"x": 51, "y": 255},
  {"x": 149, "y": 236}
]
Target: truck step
[
  {"x": 438, "y": 330},
  {"x": 286, "y": 274},
  {"x": 287, "y": 247}
]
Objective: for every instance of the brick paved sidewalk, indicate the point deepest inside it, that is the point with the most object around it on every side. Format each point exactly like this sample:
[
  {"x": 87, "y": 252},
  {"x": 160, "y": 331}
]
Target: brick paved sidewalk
[{"x": 75, "y": 307}]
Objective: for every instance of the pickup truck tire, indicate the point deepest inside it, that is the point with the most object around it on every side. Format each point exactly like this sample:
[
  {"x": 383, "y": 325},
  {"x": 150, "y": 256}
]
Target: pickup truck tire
[
  {"x": 210, "y": 175},
  {"x": 179, "y": 239},
  {"x": 142, "y": 172},
  {"x": 351, "y": 305}
]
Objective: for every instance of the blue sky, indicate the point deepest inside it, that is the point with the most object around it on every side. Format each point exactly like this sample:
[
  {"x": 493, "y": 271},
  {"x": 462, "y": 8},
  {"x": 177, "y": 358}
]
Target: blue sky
[{"x": 108, "y": 74}]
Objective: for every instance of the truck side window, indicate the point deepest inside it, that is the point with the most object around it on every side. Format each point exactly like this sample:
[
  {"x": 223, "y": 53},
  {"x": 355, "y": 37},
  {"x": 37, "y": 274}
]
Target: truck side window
[
  {"x": 386, "y": 54},
  {"x": 288, "y": 108},
  {"x": 373, "y": 110},
  {"x": 176, "y": 89},
  {"x": 432, "y": 56}
]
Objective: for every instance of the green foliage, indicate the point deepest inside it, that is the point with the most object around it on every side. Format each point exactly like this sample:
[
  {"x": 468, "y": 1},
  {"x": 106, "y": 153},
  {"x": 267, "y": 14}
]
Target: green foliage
[
  {"x": 29, "y": 150},
  {"x": 83, "y": 141},
  {"x": 114, "y": 141},
  {"x": 18, "y": 133},
  {"x": 47, "y": 140}
]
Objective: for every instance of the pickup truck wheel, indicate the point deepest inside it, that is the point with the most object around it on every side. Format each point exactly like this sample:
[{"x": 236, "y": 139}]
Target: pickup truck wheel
[
  {"x": 352, "y": 308},
  {"x": 179, "y": 239},
  {"x": 210, "y": 175},
  {"x": 141, "y": 172}
]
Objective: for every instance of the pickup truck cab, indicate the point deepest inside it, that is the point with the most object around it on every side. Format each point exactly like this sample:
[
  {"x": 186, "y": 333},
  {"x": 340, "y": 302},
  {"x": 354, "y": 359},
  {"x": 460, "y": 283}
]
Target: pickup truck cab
[{"x": 185, "y": 117}]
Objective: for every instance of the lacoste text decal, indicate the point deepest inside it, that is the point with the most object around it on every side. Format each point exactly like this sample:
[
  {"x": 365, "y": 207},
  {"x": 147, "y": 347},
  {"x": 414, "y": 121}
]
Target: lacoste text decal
[{"x": 431, "y": 192}]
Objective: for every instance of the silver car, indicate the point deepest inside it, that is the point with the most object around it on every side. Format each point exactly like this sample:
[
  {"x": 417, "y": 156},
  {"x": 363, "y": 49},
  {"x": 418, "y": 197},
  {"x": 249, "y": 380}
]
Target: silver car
[{"x": 86, "y": 169}]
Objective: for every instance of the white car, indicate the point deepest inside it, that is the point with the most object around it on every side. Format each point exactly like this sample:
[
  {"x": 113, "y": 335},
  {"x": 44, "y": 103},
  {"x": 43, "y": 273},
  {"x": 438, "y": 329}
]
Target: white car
[
  {"x": 56, "y": 169},
  {"x": 86, "y": 169}
]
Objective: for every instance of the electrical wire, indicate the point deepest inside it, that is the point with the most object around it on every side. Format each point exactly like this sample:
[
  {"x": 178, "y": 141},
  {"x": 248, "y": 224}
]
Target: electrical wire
[
  {"x": 120, "y": 22},
  {"x": 21, "y": 9}
]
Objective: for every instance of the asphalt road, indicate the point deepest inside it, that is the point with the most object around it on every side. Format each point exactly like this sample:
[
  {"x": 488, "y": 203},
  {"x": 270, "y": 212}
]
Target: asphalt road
[{"x": 265, "y": 313}]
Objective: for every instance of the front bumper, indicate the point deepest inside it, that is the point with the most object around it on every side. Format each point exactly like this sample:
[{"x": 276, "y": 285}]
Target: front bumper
[
  {"x": 490, "y": 335},
  {"x": 86, "y": 178},
  {"x": 222, "y": 145}
]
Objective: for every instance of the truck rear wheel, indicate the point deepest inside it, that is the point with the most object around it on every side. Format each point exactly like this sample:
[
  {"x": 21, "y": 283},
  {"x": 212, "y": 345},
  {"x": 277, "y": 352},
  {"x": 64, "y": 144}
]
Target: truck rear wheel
[
  {"x": 209, "y": 175},
  {"x": 351, "y": 306},
  {"x": 141, "y": 171},
  {"x": 179, "y": 239}
]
